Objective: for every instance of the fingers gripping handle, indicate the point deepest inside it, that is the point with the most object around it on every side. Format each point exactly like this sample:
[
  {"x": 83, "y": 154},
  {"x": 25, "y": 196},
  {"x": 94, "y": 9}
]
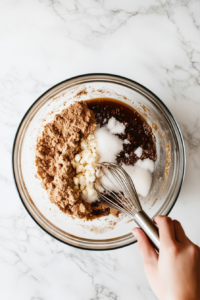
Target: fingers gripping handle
[{"x": 147, "y": 225}]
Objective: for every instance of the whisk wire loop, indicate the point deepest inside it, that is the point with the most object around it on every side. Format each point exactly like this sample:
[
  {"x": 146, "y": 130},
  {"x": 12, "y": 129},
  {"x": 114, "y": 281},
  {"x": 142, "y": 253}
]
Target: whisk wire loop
[
  {"x": 117, "y": 196},
  {"x": 122, "y": 196},
  {"x": 126, "y": 189},
  {"x": 125, "y": 196}
]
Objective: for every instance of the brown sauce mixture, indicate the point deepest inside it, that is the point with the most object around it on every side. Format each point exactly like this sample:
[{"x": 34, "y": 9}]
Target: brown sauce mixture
[{"x": 137, "y": 131}]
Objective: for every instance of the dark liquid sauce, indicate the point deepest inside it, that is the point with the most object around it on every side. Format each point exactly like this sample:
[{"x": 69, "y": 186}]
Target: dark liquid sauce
[{"x": 137, "y": 132}]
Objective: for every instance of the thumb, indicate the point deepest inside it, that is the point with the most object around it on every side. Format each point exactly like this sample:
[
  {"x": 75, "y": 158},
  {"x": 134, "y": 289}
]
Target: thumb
[{"x": 148, "y": 253}]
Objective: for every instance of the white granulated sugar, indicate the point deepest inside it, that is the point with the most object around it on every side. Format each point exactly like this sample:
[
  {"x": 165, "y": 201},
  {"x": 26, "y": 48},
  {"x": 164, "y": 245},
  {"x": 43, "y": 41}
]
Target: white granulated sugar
[
  {"x": 109, "y": 145},
  {"x": 141, "y": 178},
  {"x": 147, "y": 164},
  {"x": 126, "y": 141},
  {"x": 139, "y": 151},
  {"x": 115, "y": 127}
]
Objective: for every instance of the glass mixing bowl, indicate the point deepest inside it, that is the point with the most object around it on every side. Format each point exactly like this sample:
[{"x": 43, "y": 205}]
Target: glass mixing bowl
[{"x": 107, "y": 232}]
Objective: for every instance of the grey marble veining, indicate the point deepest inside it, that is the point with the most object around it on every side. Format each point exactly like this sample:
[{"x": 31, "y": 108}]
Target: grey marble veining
[{"x": 156, "y": 43}]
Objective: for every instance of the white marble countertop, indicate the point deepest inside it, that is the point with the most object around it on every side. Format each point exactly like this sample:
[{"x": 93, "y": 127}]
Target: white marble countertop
[{"x": 156, "y": 43}]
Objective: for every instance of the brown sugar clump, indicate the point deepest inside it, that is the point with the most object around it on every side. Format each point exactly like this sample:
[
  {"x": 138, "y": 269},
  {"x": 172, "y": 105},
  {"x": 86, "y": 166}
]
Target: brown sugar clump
[{"x": 59, "y": 143}]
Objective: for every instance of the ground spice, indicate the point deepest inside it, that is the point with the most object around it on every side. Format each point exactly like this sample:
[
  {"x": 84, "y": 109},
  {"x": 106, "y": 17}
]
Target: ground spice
[{"x": 59, "y": 143}]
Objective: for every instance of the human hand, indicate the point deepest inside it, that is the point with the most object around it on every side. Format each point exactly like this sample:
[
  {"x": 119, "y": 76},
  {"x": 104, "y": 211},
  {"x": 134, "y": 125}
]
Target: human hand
[{"x": 174, "y": 274}]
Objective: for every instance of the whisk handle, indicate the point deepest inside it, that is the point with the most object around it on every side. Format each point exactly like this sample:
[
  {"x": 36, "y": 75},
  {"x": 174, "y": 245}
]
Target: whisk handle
[{"x": 147, "y": 225}]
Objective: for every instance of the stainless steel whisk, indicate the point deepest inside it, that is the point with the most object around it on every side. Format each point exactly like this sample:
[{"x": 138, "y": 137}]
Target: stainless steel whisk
[{"x": 122, "y": 196}]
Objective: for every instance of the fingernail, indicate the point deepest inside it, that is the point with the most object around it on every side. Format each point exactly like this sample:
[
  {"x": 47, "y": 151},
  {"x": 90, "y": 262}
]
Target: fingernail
[{"x": 134, "y": 232}]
